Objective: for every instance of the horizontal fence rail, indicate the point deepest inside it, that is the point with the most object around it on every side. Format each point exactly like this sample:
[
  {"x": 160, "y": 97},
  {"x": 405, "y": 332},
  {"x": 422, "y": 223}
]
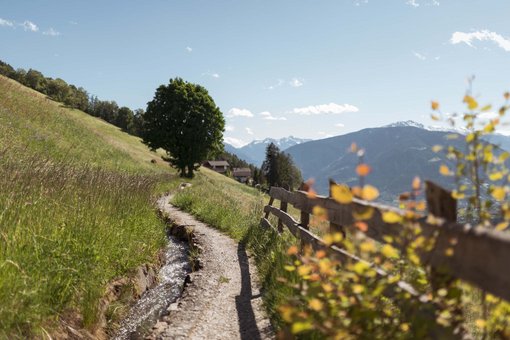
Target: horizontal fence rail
[{"x": 480, "y": 256}]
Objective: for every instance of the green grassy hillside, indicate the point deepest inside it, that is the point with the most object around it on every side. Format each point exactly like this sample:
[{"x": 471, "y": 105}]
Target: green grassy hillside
[{"x": 76, "y": 211}]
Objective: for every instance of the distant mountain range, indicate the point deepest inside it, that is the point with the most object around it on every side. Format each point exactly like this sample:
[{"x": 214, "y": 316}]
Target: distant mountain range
[
  {"x": 396, "y": 153},
  {"x": 255, "y": 152}
]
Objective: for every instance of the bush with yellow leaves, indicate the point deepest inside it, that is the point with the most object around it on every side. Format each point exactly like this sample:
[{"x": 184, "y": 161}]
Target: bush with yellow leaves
[{"x": 369, "y": 296}]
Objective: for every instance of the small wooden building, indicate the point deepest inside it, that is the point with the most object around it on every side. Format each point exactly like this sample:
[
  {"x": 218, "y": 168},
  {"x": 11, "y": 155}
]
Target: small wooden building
[
  {"x": 218, "y": 166},
  {"x": 242, "y": 174}
]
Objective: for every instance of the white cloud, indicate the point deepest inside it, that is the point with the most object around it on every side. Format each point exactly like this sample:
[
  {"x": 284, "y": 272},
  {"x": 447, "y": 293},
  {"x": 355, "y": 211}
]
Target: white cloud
[
  {"x": 340, "y": 125},
  {"x": 415, "y": 3},
  {"x": 8, "y": 23},
  {"x": 325, "y": 108},
  {"x": 211, "y": 74},
  {"x": 269, "y": 116},
  {"x": 296, "y": 82},
  {"x": 236, "y": 112},
  {"x": 249, "y": 131},
  {"x": 189, "y": 49},
  {"x": 29, "y": 26},
  {"x": 73, "y": 22},
  {"x": 51, "y": 32},
  {"x": 229, "y": 128},
  {"x": 467, "y": 38},
  {"x": 238, "y": 143},
  {"x": 419, "y": 56},
  {"x": 274, "y": 118}
]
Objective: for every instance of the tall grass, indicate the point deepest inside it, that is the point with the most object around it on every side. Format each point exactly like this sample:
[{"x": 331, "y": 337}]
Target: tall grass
[{"x": 65, "y": 231}]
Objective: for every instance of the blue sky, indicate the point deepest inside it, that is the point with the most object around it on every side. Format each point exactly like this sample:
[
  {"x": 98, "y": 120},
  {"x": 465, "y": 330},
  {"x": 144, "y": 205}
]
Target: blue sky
[{"x": 275, "y": 68}]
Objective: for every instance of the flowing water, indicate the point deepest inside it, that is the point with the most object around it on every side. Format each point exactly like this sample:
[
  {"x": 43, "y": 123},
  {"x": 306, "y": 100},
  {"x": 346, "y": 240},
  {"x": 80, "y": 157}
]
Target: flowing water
[{"x": 154, "y": 302}]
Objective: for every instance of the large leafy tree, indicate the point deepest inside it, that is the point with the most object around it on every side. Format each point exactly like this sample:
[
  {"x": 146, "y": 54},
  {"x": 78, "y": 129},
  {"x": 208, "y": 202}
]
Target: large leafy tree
[{"x": 184, "y": 120}]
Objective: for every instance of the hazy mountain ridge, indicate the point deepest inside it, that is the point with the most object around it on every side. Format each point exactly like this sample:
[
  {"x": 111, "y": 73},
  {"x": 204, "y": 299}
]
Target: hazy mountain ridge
[{"x": 255, "y": 151}]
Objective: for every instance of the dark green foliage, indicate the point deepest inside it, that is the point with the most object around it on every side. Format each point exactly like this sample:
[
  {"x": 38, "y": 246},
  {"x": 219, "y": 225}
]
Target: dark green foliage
[
  {"x": 279, "y": 169},
  {"x": 184, "y": 120}
]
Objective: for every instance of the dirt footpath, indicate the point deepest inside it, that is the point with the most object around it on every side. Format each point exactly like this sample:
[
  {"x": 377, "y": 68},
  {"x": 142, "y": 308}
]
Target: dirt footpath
[{"x": 223, "y": 300}]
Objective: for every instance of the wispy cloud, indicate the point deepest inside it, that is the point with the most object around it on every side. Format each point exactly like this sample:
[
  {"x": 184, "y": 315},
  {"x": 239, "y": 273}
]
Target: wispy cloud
[
  {"x": 296, "y": 82},
  {"x": 51, "y": 32},
  {"x": 229, "y": 128},
  {"x": 418, "y": 3},
  {"x": 340, "y": 125},
  {"x": 189, "y": 49},
  {"x": 269, "y": 116},
  {"x": 330, "y": 108},
  {"x": 236, "y": 112},
  {"x": 8, "y": 23},
  {"x": 238, "y": 143},
  {"x": 484, "y": 35},
  {"x": 29, "y": 26},
  {"x": 211, "y": 74},
  {"x": 419, "y": 55},
  {"x": 73, "y": 22},
  {"x": 249, "y": 131}
]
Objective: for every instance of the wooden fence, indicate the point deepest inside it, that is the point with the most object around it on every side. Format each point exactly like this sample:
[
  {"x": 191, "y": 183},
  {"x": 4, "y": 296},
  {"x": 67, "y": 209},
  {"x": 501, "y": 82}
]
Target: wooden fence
[{"x": 480, "y": 256}]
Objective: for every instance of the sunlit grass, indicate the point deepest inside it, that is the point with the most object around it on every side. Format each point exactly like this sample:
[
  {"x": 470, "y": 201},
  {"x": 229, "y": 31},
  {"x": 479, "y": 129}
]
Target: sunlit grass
[{"x": 76, "y": 210}]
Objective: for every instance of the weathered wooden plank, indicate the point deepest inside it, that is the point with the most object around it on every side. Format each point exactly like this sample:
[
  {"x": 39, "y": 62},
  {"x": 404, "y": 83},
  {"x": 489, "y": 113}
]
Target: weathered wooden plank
[
  {"x": 264, "y": 222},
  {"x": 480, "y": 256}
]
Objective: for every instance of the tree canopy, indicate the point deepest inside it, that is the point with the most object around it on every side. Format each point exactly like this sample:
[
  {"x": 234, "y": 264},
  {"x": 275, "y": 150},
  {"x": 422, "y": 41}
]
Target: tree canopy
[{"x": 184, "y": 120}]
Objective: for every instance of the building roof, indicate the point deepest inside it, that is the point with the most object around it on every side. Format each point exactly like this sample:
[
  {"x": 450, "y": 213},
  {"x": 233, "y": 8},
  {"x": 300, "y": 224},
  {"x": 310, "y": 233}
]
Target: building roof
[
  {"x": 242, "y": 172},
  {"x": 218, "y": 163}
]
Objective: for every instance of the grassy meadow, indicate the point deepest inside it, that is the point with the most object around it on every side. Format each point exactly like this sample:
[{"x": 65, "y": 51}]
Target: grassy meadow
[{"x": 76, "y": 210}]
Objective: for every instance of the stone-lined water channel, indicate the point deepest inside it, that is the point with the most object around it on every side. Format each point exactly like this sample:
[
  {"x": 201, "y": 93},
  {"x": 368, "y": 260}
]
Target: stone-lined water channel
[{"x": 153, "y": 304}]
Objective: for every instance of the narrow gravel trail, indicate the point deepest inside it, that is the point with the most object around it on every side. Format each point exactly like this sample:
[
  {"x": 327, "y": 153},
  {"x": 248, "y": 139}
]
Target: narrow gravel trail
[{"x": 223, "y": 299}]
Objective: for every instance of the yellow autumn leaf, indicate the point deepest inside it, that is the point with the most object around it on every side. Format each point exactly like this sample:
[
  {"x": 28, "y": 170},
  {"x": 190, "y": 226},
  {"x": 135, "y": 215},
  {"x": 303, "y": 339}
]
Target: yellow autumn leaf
[
  {"x": 434, "y": 117},
  {"x": 316, "y": 304},
  {"x": 486, "y": 108},
  {"x": 320, "y": 212},
  {"x": 470, "y": 137},
  {"x": 480, "y": 323},
  {"x": 358, "y": 289},
  {"x": 501, "y": 226},
  {"x": 507, "y": 95},
  {"x": 289, "y": 268},
  {"x": 437, "y": 148},
  {"x": 391, "y": 217},
  {"x": 388, "y": 251},
  {"x": 444, "y": 170},
  {"x": 496, "y": 176},
  {"x": 369, "y": 193},
  {"x": 434, "y": 105},
  {"x": 416, "y": 183},
  {"x": 471, "y": 102},
  {"x": 298, "y": 327},
  {"x": 498, "y": 193},
  {"x": 341, "y": 193},
  {"x": 304, "y": 270},
  {"x": 367, "y": 246}
]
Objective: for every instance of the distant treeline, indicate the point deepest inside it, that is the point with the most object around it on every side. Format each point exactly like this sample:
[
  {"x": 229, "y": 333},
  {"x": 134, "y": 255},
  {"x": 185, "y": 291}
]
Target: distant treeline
[{"x": 77, "y": 98}]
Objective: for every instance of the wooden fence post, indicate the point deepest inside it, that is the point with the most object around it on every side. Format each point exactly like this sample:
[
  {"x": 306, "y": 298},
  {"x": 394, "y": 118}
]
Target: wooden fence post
[
  {"x": 440, "y": 203},
  {"x": 283, "y": 207},
  {"x": 335, "y": 228}
]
